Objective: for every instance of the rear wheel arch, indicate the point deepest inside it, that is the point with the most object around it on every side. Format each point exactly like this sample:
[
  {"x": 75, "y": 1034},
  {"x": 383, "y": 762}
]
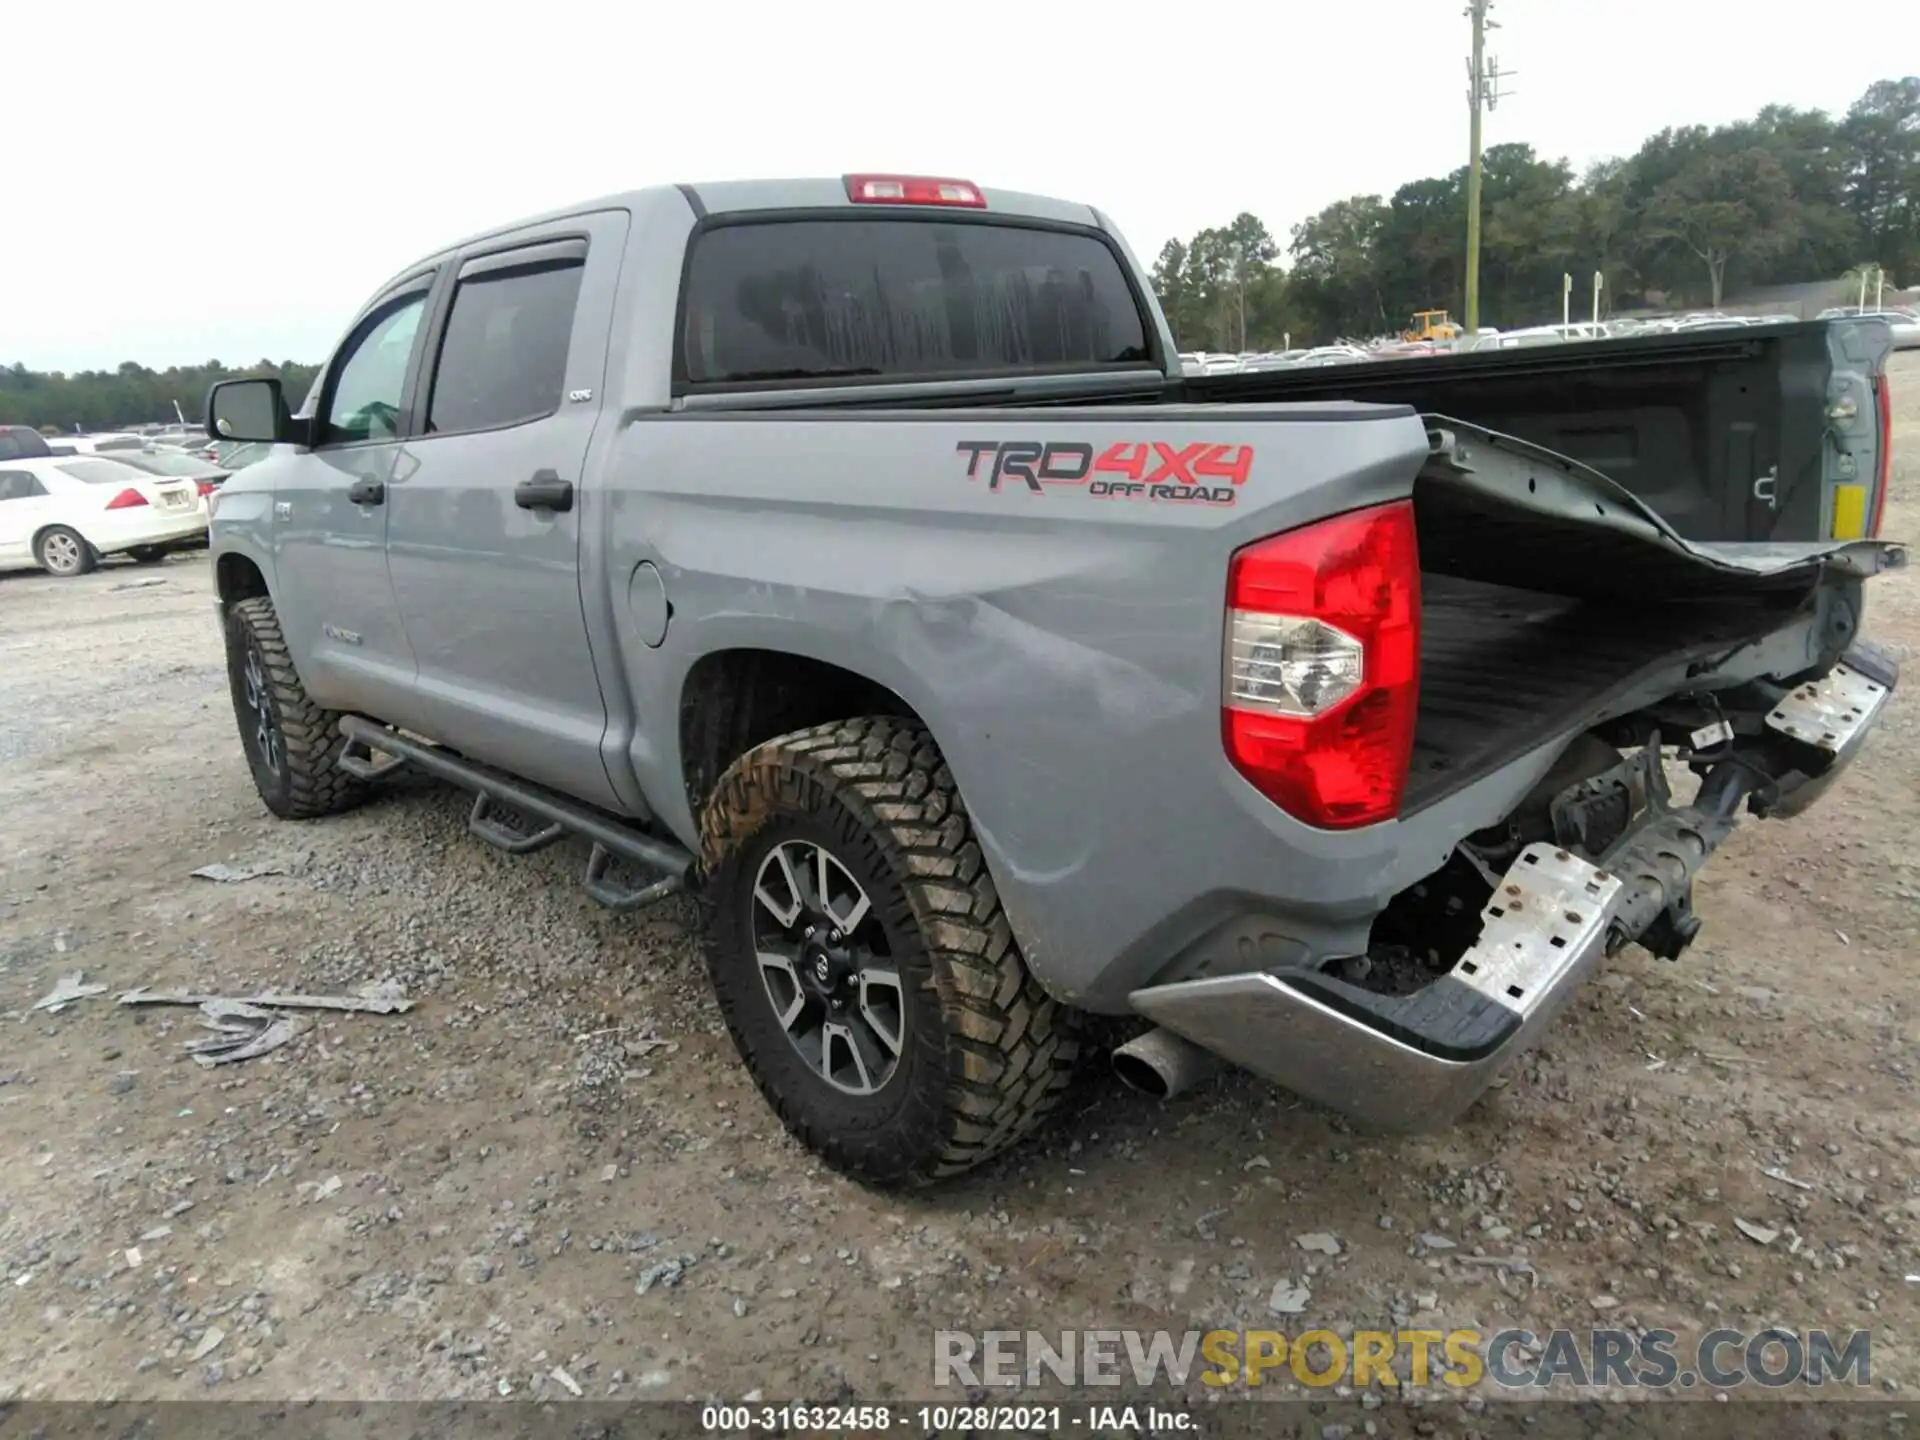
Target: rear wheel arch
[{"x": 732, "y": 700}]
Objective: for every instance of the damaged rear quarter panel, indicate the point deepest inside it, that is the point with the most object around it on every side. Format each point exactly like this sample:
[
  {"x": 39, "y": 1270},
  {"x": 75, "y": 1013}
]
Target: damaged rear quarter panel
[{"x": 1064, "y": 649}]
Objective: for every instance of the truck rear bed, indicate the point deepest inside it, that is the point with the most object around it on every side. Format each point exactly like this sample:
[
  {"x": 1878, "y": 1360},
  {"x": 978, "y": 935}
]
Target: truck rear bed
[
  {"x": 1551, "y": 600},
  {"x": 1724, "y": 432},
  {"x": 1503, "y": 669}
]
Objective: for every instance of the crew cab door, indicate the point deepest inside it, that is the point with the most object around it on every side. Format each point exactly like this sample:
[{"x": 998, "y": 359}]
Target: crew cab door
[
  {"x": 483, "y": 537},
  {"x": 332, "y": 592}
]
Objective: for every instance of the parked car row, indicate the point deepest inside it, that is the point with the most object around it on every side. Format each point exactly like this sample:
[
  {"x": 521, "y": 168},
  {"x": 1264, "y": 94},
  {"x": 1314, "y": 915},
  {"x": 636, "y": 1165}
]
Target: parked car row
[
  {"x": 68, "y": 501},
  {"x": 65, "y": 513},
  {"x": 1904, "y": 323}
]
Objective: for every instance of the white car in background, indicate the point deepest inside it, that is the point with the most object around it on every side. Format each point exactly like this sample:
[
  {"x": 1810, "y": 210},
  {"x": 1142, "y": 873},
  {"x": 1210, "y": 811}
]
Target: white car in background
[
  {"x": 64, "y": 514},
  {"x": 94, "y": 444},
  {"x": 1905, "y": 324}
]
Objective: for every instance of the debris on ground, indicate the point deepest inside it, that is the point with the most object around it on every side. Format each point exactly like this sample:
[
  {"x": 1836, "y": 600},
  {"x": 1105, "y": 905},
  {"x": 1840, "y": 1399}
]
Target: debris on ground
[
  {"x": 1503, "y": 1264},
  {"x": 209, "y": 1343},
  {"x": 667, "y": 1272},
  {"x": 1759, "y": 1234},
  {"x": 1774, "y": 1172},
  {"x": 1318, "y": 1243},
  {"x": 1288, "y": 1298},
  {"x": 65, "y": 991},
  {"x": 224, "y": 874},
  {"x": 379, "y": 997},
  {"x": 566, "y": 1381},
  {"x": 242, "y": 1032}
]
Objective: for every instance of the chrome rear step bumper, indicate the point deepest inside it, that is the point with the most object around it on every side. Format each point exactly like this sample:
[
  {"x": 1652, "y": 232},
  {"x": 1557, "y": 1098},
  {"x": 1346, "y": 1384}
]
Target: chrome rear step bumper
[{"x": 1418, "y": 1061}]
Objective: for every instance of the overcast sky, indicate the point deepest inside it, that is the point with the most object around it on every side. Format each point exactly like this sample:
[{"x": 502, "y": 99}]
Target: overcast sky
[{"x": 231, "y": 180}]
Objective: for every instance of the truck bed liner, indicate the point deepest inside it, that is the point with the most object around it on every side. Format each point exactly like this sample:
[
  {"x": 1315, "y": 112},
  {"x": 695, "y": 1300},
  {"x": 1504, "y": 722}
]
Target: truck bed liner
[{"x": 1502, "y": 669}]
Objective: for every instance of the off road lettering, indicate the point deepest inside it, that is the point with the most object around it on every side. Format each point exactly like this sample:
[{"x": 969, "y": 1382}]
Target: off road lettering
[{"x": 1148, "y": 470}]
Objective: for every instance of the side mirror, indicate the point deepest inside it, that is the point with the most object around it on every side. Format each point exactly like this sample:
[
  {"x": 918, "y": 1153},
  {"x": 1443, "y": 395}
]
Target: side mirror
[{"x": 253, "y": 410}]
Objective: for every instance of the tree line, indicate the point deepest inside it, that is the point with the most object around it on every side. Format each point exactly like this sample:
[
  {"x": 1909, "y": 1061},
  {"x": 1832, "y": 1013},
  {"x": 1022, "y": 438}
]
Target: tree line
[
  {"x": 131, "y": 395},
  {"x": 1788, "y": 196}
]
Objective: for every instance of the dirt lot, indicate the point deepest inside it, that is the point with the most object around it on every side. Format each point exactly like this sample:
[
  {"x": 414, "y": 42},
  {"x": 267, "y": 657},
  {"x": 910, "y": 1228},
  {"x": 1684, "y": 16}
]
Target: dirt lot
[{"x": 513, "y": 1177}]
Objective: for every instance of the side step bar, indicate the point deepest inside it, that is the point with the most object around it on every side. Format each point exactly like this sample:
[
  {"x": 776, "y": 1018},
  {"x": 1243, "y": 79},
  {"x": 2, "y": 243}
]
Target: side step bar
[{"x": 665, "y": 864}]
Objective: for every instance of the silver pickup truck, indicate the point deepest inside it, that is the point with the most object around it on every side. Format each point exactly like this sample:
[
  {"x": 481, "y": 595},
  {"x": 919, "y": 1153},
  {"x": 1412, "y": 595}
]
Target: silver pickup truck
[{"x": 852, "y": 554}]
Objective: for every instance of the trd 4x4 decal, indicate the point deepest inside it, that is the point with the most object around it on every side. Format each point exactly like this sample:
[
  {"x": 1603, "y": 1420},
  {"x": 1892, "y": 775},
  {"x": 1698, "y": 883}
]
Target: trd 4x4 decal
[{"x": 1146, "y": 470}]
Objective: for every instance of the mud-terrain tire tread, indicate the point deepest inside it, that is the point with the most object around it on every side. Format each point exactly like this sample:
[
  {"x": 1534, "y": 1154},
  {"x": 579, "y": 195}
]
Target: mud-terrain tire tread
[
  {"x": 310, "y": 735},
  {"x": 1010, "y": 1048}
]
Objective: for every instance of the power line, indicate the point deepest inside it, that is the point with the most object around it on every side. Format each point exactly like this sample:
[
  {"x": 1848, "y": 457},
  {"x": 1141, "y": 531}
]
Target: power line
[{"x": 1483, "y": 93}]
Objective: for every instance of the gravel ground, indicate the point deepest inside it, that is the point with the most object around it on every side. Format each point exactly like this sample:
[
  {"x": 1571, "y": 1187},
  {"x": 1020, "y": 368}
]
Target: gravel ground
[{"x": 554, "y": 1164}]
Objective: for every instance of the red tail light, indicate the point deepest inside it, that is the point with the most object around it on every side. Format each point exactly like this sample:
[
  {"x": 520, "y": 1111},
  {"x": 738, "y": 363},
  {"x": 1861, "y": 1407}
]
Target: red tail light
[
  {"x": 1883, "y": 402},
  {"x": 1322, "y": 667},
  {"x": 913, "y": 190},
  {"x": 126, "y": 500},
  {"x": 205, "y": 487}
]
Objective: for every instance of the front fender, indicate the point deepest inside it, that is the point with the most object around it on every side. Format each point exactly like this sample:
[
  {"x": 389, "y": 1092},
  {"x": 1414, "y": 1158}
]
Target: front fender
[{"x": 241, "y": 535}]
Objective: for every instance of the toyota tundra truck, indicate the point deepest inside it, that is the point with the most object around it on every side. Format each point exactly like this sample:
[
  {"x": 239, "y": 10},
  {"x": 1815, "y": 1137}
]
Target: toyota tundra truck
[{"x": 853, "y": 555}]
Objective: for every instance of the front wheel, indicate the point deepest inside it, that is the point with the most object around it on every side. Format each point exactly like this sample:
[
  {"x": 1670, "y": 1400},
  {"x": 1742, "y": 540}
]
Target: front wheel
[
  {"x": 293, "y": 746},
  {"x": 862, "y": 960}
]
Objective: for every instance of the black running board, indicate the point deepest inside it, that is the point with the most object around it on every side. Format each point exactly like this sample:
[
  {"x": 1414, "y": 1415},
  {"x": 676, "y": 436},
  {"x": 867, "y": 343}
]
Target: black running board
[{"x": 665, "y": 865}]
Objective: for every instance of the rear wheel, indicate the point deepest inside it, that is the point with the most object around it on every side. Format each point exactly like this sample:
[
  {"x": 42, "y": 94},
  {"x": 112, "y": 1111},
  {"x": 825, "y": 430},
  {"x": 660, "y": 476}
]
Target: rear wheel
[
  {"x": 862, "y": 960},
  {"x": 64, "y": 552},
  {"x": 293, "y": 745},
  {"x": 147, "y": 554}
]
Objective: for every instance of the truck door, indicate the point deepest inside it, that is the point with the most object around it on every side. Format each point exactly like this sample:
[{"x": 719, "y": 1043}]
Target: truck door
[
  {"x": 483, "y": 537},
  {"x": 330, "y": 516}
]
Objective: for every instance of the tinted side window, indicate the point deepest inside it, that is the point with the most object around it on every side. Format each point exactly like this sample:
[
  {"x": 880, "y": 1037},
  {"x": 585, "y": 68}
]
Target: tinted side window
[
  {"x": 907, "y": 297},
  {"x": 20, "y": 485},
  {"x": 503, "y": 360},
  {"x": 372, "y": 373}
]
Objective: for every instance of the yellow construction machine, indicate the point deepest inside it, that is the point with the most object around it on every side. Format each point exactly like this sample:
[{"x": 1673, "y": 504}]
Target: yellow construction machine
[{"x": 1431, "y": 325}]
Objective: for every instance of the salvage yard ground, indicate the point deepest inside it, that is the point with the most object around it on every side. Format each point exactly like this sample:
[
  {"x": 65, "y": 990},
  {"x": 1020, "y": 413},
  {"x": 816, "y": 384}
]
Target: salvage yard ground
[{"x": 551, "y": 1172}]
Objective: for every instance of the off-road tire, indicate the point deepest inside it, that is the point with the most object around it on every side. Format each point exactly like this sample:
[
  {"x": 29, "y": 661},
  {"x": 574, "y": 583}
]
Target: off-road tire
[
  {"x": 309, "y": 782},
  {"x": 986, "y": 1054},
  {"x": 87, "y": 559}
]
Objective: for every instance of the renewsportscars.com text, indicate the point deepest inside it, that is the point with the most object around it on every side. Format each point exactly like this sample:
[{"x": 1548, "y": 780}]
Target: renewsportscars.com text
[{"x": 1460, "y": 1359}]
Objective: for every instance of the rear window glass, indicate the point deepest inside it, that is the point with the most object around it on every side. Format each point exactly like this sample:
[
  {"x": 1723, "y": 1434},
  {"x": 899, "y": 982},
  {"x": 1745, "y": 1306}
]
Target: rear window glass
[
  {"x": 17, "y": 442},
  {"x": 99, "y": 472},
  {"x": 828, "y": 299},
  {"x": 165, "y": 464}
]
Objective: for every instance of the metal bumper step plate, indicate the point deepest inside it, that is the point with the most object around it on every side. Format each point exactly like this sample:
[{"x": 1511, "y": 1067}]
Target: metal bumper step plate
[
  {"x": 1544, "y": 915},
  {"x": 1830, "y": 712}
]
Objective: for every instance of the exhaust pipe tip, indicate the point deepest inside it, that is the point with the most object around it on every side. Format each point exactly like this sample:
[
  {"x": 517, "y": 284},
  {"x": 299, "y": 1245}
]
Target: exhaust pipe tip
[{"x": 1163, "y": 1065}]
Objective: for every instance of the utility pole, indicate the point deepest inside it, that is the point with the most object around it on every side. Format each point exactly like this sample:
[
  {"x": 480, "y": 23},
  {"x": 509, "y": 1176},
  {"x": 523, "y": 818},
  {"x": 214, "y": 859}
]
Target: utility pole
[{"x": 1483, "y": 93}]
